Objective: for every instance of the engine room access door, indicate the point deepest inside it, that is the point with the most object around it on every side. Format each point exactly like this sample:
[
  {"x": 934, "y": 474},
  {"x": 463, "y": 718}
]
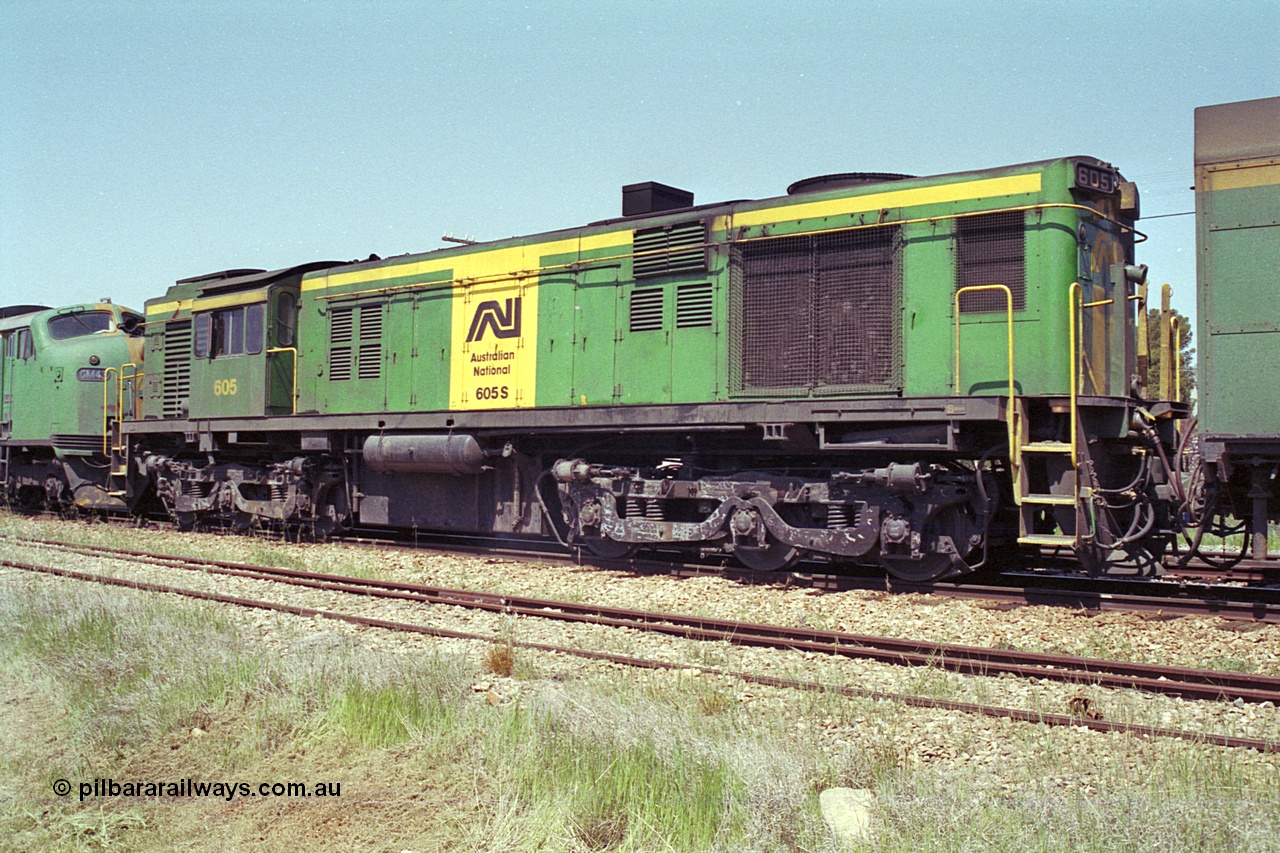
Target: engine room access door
[{"x": 595, "y": 327}]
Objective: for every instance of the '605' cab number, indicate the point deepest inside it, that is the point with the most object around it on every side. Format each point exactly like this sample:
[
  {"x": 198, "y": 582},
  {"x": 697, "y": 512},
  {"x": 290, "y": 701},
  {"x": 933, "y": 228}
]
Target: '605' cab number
[{"x": 224, "y": 387}]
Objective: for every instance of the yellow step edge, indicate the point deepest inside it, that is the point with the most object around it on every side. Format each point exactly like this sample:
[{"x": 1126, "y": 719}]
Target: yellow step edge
[
  {"x": 1053, "y": 540},
  {"x": 1053, "y": 500},
  {"x": 1047, "y": 447}
]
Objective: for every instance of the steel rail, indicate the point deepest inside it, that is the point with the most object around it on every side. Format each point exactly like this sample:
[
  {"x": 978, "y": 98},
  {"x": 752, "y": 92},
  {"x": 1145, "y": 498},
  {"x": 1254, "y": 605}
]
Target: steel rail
[
  {"x": 1164, "y": 598},
  {"x": 1012, "y": 714},
  {"x": 1187, "y": 683}
]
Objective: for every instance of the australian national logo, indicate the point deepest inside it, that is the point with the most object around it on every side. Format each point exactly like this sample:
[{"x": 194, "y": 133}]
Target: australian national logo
[{"x": 504, "y": 321}]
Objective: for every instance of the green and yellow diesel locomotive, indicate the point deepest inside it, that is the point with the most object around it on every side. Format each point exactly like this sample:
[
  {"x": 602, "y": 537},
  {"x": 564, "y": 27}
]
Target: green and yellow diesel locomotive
[
  {"x": 58, "y": 398},
  {"x": 879, "y": 369}
]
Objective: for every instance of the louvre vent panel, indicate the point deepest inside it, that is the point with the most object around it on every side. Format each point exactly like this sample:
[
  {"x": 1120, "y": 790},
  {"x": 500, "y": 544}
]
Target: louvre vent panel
[
  {"x": 678, "y": 248},
  {"x": 83, "y": 443},
  {"x": 821, "y": 314},
  {"x": 176, "y": 387},
  {"x": 340, "y": 326},
  {"x": 370, "y": 361},
  {"x": 990, "y": 249},
  {"x": 646, "y": 310},
  {"x": 694, "y": 306},
  {"x": 370, "y": 323},
  {"x": 340, "y": 364}
]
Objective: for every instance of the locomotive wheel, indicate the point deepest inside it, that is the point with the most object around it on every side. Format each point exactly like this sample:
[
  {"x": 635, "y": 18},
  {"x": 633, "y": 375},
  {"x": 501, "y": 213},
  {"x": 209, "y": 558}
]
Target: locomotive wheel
[
  {"x": 774, "y": 556},
  {"x": 608, "y": 549},
  {"x": 929, "y": 568}
]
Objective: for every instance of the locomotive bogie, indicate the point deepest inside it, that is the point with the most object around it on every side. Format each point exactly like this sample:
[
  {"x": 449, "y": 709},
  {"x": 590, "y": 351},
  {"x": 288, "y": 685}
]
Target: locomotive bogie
[{"x": 914, "y": 518}]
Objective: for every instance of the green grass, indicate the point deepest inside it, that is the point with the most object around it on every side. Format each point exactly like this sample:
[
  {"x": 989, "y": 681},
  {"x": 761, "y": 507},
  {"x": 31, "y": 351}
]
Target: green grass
[
  {"x": 631, "y": 791},
  {"x": 1231, "y": 544}
]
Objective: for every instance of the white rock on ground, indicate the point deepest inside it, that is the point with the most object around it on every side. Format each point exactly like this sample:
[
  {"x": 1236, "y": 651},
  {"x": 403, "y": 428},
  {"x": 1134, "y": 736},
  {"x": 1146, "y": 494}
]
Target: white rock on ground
[{"x": 847, "y": 812}]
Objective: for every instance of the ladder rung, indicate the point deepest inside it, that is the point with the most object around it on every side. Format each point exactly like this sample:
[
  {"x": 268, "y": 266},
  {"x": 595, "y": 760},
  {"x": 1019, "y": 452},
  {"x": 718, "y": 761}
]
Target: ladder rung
[
  {"x": 1052, "y": 500},
  {"x": 1047, "y": 447},
  {"x": 1052, "y": 540}
]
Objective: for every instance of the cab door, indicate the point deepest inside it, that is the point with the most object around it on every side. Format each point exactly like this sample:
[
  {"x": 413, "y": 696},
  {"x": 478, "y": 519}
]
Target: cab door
[
  {"x": 1107, "y": 314},
  {"x": 227, "y": 375},
  {"x": 6, "y": 380},
  {"x": 282, "y": 351}
]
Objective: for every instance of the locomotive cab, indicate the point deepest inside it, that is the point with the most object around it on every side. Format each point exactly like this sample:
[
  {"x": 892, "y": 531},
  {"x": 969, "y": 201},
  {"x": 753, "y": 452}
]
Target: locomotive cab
[
  {"x": 243, "y": 349},
  {"x": 57, "y": 383},
  {"x": 228, "y": 345}
]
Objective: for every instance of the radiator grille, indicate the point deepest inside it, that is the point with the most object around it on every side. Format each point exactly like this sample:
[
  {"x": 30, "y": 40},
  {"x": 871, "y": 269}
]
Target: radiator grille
[
  {"x": 990, "y": 249},
  {"x": 177, "y": 368},
  {"x": 818, "y": 314},
  {"x": 694, "y": 306},
  {"x": 679, "y": 248}
]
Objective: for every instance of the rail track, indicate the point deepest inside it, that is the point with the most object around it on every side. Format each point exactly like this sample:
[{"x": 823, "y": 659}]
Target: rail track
[
  {"x": 1248, "y": 591},
  {"x": 1181, "y": 682},
  {"x": 1185, "y": 595}
]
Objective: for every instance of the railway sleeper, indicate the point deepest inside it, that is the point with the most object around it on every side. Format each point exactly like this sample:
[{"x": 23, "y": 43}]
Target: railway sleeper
[{"x": 918, "y": 521}]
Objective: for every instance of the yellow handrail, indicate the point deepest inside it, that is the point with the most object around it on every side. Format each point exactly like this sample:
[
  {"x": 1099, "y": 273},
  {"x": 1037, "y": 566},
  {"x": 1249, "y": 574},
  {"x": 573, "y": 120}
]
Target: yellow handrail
[
  {"x": 1008, "y": 296},
  {"x": 1175, "y": 352},
  {"x": 120, "y": 380},
  {"x": 106, "y": 398},
  {"x": 1075, "y": 303},
  {"x": 293, "y": 350}
]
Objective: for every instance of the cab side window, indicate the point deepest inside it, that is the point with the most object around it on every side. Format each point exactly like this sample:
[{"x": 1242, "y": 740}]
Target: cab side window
[
  {"x": 25, "y": 346},
  {"x": 203, "y": 337},
  {"x": 286, "y": 319},
  {"x": 228, "y": 332},
  {"x": 232, "y": 331},
  {"x": 255, "y": 317}
]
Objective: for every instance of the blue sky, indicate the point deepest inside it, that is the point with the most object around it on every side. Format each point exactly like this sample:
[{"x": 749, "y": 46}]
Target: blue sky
[{"x": 143, "y": 142}]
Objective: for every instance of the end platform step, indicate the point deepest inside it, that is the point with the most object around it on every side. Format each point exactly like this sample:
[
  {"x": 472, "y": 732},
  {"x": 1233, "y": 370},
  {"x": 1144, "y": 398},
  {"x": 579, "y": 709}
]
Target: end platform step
[{"x": 1048, "y": 540}]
